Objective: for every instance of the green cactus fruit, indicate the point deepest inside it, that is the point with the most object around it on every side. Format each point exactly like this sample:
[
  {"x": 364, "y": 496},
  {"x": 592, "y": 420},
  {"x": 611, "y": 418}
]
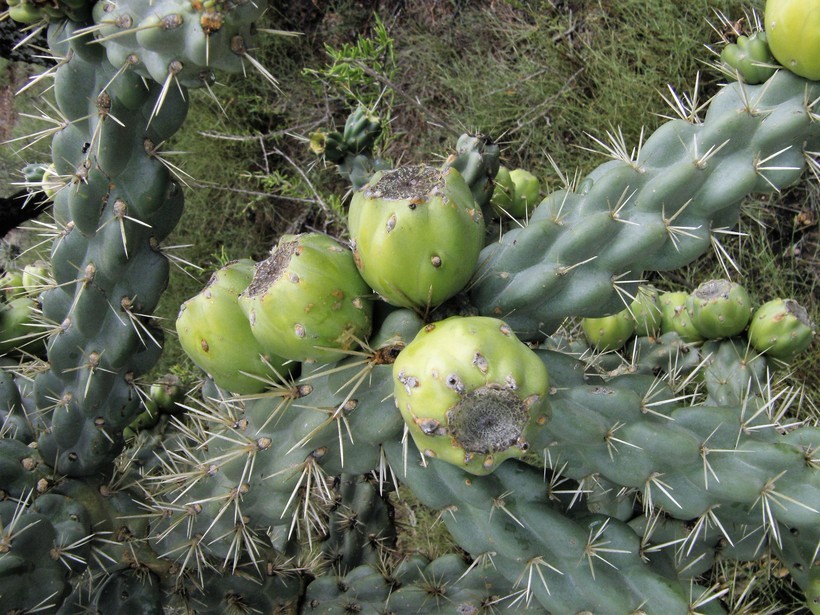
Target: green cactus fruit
[
  {"x": 517, "y": 192},
  {"x": 307, "y": 301},
  {"x": 793, "y": 31},
  {"x": 18, "y": 329},
  {"x": 527, "y": 192},
  {"x": 719, "y": 308},
  {"x": 417, "y": 234},
  {"x": 470, "y": 392},
  {"x": 675, "y": 317},
  {"x": 214, "y": 332},
  {"x": 167, "y": 392},
  {"x": 646, "y": 311},
  {"x": 781, "y": 328},
  {"x": 503, "y": 192},
  {"x": 11, "y": 284},
  {"x": 609, "y": 332},
  {"x": 750, "y": 57}
]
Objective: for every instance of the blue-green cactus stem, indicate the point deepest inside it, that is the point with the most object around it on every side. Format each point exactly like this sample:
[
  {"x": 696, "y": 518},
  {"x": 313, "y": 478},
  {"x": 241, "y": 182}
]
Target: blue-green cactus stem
[
  {"x": 584, "y": 250},
  {"x": 686, "y": 460},
  {"x": 108, "y": 269},
  {"x": 507, "y": 518},
  {"x": 178, "y": 41},
  {"x": 272, "y": 459}
]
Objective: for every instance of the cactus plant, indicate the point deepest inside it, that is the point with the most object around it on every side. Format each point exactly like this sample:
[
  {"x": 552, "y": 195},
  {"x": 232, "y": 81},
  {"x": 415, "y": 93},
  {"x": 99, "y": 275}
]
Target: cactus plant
[{"x": 573, "y": 480}]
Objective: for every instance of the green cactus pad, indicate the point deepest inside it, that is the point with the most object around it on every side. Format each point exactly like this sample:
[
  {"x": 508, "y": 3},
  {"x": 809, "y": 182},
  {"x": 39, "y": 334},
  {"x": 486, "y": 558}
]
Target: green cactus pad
[
  {"x": 719, "y": 308},
  {"x": 307, "y": 302},
  {"x": 470, "y": 392},
  {"x": 781, "y": 328},
  {"x": 417, "y": 233}
]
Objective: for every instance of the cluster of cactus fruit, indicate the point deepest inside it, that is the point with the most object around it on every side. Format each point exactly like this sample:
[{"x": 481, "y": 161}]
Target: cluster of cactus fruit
[{"x": 603, "y": 473}]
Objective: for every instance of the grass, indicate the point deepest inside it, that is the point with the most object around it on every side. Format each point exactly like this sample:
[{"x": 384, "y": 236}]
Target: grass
[{"x": 542, "y": 76}]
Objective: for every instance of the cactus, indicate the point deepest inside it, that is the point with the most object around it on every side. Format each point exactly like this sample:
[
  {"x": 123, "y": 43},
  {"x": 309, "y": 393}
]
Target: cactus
[
  {"x": 574, "y": 476},
  {"x": 653, "y": 211}
]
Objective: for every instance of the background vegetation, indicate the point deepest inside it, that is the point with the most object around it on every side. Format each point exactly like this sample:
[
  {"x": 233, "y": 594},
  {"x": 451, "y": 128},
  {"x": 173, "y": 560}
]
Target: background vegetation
[{"x": 543, "y": 77}]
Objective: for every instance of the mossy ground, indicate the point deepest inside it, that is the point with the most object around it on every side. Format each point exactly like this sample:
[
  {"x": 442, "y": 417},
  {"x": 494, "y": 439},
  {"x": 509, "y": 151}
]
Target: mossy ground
[{"x": 541, "y": 76}]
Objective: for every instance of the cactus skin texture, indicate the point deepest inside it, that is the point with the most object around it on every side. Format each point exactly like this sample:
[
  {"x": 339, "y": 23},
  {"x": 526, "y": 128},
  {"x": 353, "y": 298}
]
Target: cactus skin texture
[
  {"x": 178, "y": 40},
  {"x": 109, "y": 273},
  {"x": 417, "y": 233},
  {"x": 571, "y": 257},
  {"x": 470, "y": 392}
]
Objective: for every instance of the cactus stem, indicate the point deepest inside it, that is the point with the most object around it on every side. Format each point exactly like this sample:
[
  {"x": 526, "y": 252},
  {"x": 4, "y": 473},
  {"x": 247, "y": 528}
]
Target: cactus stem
[
  {"x": 615, "y": 147},
  {"x": 498, "y": 502},
  {"x": 622, "y": 201},
  {"x": 700, "y": 161},
  {"x": 312, "y": 483},
  {"x": 178, "y": 173}
]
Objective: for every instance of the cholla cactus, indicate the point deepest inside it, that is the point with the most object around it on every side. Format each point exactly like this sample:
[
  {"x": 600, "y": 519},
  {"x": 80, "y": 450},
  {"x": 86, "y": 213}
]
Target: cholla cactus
[{"x": 572, "y": 478}]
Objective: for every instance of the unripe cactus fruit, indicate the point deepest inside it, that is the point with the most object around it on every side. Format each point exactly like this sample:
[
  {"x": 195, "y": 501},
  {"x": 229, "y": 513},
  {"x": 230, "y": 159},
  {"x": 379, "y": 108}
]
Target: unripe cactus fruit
[
  {"x": 417, "y": 233},
  {"x": 749, "y": 56},
  {"x": 793, "y": 32},
  {"x": 307, "y": 302},
  {"x": 214, "y": 332},
  {"x": 781, "y": 328},
  {"x": 646, "y": 311},
  {"x": 675, "y": 317},
  {"x": 517, "y": 192},
  {"x": 470, "y": 392},
  {"x": 719, "y": 308},
  {"x": 609, "y": 332}
]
